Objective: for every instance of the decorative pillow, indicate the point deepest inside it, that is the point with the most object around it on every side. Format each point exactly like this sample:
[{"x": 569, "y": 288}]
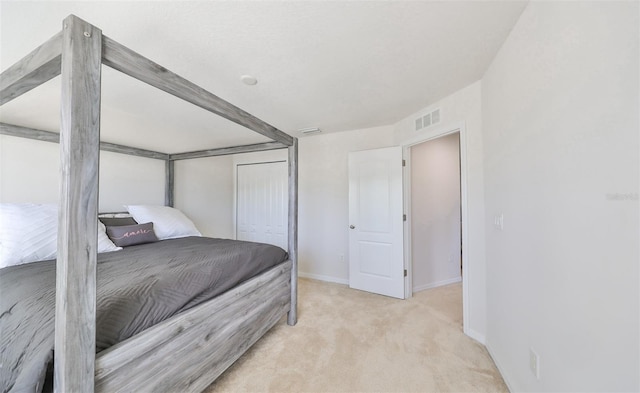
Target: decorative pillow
[
  {"x": 117, "y": 221},
  {"x": 130, "y": 235},
  {"x": 168, "y": 223},
  {"x": 29, "y": 233}
]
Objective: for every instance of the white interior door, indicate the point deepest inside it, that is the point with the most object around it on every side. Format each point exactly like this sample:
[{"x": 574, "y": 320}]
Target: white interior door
[
  {"x": 376, "y": 262},
  {"x": 262, "y": 203}
]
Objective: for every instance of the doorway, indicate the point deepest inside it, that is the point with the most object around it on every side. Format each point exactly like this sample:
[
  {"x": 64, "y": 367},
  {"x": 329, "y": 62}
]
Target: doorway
[
  {"x": 460, "y": 129},
  {"x": 436, "y": 230}
]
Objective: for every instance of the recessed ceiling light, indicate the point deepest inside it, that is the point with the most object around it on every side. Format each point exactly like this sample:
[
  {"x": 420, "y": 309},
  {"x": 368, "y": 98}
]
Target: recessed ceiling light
[{"x": 249, "y": 80}]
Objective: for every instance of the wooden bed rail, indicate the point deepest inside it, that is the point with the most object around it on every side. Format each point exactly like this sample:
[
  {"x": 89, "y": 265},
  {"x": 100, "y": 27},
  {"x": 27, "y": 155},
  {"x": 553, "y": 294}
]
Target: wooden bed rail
[
  {"x": 36, "y": 68},
  {"x": 123, "y": 59},
  {"x": 223, "y": 151},
  {"x": 225, "y": 327},
  {"x": 48, "y": 136},
  {"x": 54, "y": 137}
]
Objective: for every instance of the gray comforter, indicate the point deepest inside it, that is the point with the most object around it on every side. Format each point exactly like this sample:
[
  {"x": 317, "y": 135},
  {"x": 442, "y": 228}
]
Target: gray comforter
[{"x": 137, "y": 288}]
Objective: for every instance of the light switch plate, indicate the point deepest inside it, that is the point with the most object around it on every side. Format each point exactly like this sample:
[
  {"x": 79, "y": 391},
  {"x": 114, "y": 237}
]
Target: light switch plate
[
  {"x": 534, "y": 363},
  {"x": 498, "y": 221}
]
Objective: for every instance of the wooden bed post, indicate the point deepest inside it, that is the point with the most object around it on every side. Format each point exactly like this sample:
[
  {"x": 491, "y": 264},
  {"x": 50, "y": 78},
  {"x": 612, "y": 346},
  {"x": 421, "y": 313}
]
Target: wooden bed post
[
  {"x": 293, "y": 230},
  {"x": 75, "y": 327},
  {"x": 168, "y": 182}
]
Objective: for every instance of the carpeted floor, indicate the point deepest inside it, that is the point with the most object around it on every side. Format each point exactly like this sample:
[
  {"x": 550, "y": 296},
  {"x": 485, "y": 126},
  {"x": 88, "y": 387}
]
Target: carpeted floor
[{"x": 353, "y": 341}]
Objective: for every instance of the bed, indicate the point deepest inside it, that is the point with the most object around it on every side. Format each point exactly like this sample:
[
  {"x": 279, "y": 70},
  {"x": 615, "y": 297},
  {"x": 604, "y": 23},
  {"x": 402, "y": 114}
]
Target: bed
[
  {"x": 199, "y": 340},
  {"x": 137, "y": 288}
]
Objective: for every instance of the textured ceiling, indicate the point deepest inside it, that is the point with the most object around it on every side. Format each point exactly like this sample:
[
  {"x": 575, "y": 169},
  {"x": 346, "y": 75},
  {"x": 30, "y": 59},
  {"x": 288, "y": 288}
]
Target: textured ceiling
[{"x": 334, "y": 65}]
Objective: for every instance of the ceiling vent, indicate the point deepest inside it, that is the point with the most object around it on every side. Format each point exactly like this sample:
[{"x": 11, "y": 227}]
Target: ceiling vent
[
  {"x": 310, "y": 130},
  {"x": 428, "y": 120}
]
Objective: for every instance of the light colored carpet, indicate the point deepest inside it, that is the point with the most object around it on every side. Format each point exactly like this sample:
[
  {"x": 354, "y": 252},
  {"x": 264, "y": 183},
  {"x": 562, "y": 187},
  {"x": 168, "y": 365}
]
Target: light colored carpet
[{"x": 353, "y": 341}]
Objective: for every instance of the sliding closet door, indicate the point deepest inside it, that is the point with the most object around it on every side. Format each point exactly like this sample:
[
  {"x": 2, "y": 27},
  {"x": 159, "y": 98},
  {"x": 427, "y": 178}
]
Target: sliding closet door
[{"x": 262, "y": 200}]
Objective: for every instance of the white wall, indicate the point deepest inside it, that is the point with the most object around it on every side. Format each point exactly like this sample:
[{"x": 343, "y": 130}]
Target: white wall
[
  {"x": 28, "y": 170},
  {"x": 203, "y": 187},
  {"x": 463, "y": 106},
  {"x": 203, "y": 190},
  {"x": 29, "y": 173},
  {"x": 560, "y": 113},
  {"x": 132, "y": 180},
  {"x": 323, "y": 210},
  {"x": 435, "y": 212}
]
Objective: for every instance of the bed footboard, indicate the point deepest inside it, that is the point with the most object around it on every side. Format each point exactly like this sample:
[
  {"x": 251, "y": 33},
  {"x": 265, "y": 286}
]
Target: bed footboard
[{"x": 189, "y": 351}]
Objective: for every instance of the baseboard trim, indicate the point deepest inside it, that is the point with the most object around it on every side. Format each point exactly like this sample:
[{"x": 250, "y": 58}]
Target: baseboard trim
[
  {"x": 322, "y": 277},
  {"x": 499, "y": 367},
  {"x": 437, "y": 284},
  {"x": 476, "y": 336}
]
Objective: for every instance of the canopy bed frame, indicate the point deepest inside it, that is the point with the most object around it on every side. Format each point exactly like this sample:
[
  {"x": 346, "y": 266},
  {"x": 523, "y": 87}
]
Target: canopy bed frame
[{"x": 190, "y": 350}]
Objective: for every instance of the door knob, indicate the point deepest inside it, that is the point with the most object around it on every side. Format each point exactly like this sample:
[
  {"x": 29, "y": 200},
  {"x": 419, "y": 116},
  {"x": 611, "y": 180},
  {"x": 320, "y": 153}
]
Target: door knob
[{"x": 352, "y": 226}]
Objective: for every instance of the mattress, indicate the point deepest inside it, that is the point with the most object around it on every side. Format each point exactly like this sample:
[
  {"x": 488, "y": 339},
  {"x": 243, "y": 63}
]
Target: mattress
[{"x": 136, "y": 288}]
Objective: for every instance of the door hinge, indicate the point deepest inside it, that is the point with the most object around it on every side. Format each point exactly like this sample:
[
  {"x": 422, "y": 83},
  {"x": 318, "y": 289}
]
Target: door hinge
[
  {"x": 405, "y": 272},
  {"x": 404, "y": 163},
  {"x": 404, "y": 217}
]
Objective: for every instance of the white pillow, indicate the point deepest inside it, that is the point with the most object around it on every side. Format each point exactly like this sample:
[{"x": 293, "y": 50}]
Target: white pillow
[
  {"x": 29, "y": 233},
  {"x": 168, "y": 223},
  {"x": 104, "y": 243}
]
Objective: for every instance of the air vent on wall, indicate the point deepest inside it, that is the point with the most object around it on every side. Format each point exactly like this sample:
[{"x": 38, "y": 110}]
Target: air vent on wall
[{"x": 428, "y": 120}]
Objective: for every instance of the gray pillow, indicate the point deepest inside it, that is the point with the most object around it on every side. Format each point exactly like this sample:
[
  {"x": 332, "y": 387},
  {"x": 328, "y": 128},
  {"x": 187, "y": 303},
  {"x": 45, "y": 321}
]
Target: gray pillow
[{"x": 130, "y": 235}]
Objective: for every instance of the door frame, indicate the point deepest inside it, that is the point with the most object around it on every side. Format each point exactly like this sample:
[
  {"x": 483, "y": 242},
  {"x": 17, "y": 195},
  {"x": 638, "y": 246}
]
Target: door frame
[
  {"x": 261, "y": 157},
  {"x": 438, "y": 132}
]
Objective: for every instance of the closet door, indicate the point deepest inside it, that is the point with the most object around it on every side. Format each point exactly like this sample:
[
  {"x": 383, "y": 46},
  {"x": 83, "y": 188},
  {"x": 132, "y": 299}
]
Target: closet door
[{"x": 262, "y": 202}]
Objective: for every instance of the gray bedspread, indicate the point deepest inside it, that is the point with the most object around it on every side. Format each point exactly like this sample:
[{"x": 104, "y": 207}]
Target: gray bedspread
[{"x": 137, "y": 288}]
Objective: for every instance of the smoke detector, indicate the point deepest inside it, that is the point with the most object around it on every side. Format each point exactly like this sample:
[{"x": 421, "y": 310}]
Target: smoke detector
[{"x": 249, "y": 80}]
